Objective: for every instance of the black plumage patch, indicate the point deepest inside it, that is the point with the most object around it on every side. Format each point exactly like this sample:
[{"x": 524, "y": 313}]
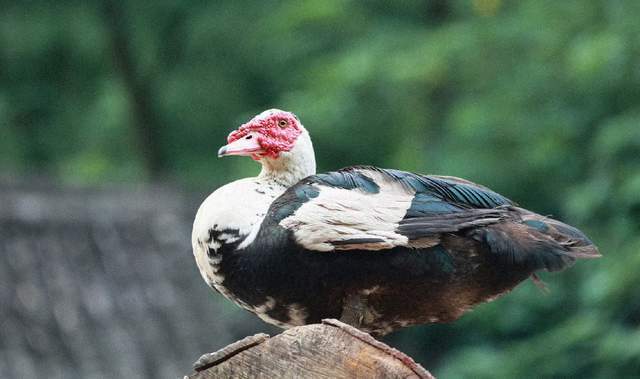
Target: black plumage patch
[
  {"x": 215, "y": 234},
  {"x": 453, "y": 190},
  {"x": 347, "y": 179},
  {"x": 289, "y": 202},
  {"x": 225, "y": 245},
  {"x": 517, "y": 246},
  {"x": 356, "y": 241},
  {"x": 433, "y": 194},
  {"x": 426, "y": 204},
  {"x": 434, "y": 224}
]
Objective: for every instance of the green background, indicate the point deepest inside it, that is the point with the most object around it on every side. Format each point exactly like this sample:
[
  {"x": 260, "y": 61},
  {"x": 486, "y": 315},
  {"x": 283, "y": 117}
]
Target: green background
[{"x": 537, "y": 99}]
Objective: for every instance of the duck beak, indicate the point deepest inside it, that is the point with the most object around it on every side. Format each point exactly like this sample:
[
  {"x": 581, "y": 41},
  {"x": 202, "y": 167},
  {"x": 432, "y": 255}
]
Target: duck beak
[{"x": 247, "y": 146}]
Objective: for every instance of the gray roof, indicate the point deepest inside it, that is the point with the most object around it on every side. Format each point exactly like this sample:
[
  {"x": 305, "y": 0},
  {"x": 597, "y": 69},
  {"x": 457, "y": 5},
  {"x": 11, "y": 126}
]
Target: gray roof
[{"x": 99, "y": 283}]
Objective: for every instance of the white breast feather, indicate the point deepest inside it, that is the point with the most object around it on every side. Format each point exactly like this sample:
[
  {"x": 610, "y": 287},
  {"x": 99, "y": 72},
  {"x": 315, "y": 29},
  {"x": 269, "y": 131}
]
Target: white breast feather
[
  {"x": 338, "y": 214},
  {"x": 238, "y": 205}
]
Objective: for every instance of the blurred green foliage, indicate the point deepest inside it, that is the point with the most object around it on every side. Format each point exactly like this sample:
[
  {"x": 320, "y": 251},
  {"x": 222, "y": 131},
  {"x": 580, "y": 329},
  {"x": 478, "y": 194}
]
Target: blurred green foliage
[{"x": 538, "y": 99}]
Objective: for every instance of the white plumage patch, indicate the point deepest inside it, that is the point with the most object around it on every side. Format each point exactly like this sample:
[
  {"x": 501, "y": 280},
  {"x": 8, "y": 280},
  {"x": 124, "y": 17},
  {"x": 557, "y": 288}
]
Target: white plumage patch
[
  {"x": 228, "y": 238},
  {"x": 344, "y": 219},
  {"x": 296, "y": 312},
  {"x": 238, "y": 205},
  {"x": 369, "y": 291}
]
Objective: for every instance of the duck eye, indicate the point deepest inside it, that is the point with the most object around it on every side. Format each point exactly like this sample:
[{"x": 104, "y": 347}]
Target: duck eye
[{"x": 283, "y": 123}]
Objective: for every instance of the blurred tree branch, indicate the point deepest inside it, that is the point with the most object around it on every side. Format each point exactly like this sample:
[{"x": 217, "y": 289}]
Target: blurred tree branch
[{"x": 146, "y": 120}]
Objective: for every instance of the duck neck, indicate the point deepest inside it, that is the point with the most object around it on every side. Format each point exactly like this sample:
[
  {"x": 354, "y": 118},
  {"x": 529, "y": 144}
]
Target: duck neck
[{"x": 291, "y": 166}]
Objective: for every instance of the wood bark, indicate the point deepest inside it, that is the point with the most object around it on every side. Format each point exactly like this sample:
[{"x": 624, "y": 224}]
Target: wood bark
[{"x": 328, "y": 350}]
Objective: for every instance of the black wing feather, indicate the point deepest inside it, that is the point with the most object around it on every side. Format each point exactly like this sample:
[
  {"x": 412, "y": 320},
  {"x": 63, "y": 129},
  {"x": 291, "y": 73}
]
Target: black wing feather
[
  {"x": 443, "y": 204},
  {"x": 432, "y": 194},
  {"x": 439, "y": 205},
  {"x": 455, "y": 191}
]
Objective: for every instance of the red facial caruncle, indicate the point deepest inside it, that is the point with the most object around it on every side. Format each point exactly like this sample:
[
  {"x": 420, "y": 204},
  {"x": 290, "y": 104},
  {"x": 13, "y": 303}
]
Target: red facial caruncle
[{"x": 275, "y": 132}]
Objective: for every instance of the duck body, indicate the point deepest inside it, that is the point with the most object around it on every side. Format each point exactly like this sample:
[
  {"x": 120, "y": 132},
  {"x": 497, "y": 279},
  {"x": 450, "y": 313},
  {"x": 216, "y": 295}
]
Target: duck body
[{"x": 379, "y": 249}]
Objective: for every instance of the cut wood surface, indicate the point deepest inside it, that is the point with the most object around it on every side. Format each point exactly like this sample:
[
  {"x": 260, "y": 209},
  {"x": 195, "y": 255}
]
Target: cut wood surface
[{"x": 328, "y": 350}]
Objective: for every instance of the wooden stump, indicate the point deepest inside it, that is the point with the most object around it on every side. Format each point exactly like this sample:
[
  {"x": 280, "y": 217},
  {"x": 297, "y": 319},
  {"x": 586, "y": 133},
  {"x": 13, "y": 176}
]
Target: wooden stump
[{"x": 328, "y": 350}]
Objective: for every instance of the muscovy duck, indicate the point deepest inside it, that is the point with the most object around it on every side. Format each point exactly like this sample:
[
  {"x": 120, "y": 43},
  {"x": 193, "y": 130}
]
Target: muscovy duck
[{"x": 379, "y": 249}]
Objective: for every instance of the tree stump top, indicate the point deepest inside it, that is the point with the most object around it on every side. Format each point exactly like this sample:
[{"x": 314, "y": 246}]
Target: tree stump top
[{"x": 328, "y": 350}]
